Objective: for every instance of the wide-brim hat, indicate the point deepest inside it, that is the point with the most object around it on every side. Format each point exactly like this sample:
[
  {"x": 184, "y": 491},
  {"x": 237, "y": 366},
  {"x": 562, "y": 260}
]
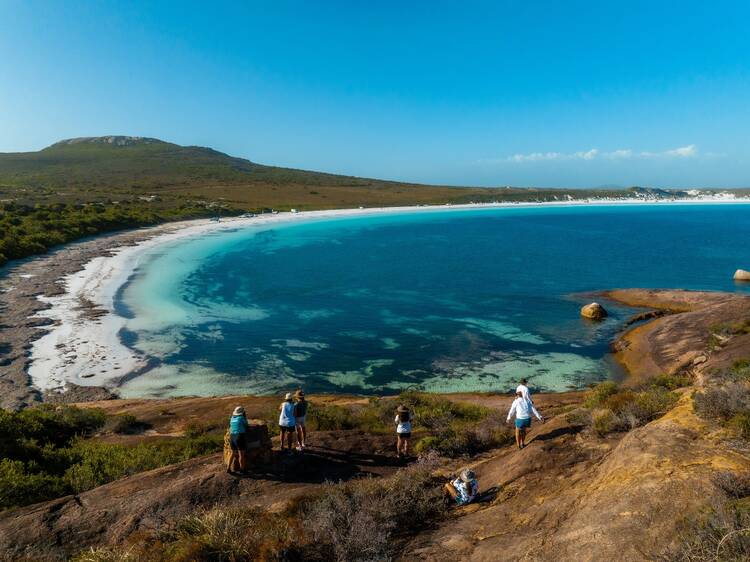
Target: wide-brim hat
[
  {"x": 468, "y": 475},
  {"x": 300, "y": 394},
  {"x": 238, "y": 411},
  {"x": 288, "y": 396},
  {"x": 402, "y": 409}
]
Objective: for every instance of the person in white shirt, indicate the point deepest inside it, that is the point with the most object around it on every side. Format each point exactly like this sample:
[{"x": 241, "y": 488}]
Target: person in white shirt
[
  {"x": 287, "y": 422},
  {"x": 403, "y": 431},
  {"x": 522, "y": 408},
  {"x": 524, "y": 390}
]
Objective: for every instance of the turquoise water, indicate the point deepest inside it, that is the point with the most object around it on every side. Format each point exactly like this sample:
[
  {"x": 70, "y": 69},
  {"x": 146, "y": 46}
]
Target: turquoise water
[{"x": 466, "y": 300}]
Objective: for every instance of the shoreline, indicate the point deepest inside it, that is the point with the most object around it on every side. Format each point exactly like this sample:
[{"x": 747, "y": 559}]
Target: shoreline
[{"x": 82, "y": 348}]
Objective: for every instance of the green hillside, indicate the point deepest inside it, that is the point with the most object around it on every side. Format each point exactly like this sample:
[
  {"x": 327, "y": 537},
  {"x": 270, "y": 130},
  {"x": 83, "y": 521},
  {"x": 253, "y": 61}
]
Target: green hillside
[
  {"x": 138, "y": 162},
  {"x": 85, "y": 186}
]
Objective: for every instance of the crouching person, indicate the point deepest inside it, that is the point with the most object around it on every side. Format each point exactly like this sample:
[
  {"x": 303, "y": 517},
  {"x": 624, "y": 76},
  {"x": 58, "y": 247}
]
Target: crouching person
[{"x": 463, "y": 489}]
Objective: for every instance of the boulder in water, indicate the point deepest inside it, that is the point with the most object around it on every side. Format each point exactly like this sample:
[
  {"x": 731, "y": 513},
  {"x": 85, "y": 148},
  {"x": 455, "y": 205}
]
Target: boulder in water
[
  {"x": 742, "y": 275},
  {"x": 593, "y": 311}
]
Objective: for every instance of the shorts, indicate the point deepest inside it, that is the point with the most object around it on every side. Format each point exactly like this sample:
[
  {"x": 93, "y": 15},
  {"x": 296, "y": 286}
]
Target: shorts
[
  {"x": 404, "y": 435},
  {"x": 300, "y": 421},
  {"x": 523, "y": 424},
  {"x": 237, "y": 441},
  {"x": 287, "y": 427}
]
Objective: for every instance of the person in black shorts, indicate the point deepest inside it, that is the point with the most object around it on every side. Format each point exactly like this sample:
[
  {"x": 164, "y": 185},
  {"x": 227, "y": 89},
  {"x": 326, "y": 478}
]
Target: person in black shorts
[
  {"x": 237, "y": 439},
  {"x": 300, "y": 411}
]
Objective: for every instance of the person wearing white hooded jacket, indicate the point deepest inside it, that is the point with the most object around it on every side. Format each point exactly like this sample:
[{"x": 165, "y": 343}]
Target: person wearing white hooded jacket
[{"x": 522, "y": 408}]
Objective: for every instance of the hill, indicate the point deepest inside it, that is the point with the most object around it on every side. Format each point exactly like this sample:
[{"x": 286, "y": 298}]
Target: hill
[
  {"x": 90, "y": 185},
  {"x": 99, "y": 168}
]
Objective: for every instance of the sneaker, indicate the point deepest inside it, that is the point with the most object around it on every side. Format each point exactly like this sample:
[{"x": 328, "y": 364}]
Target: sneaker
[{"x": 299, "y": 448}]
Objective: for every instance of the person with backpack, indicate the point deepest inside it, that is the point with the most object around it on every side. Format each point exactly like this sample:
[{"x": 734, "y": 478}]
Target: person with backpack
[
  {"x": 287, "y": 422},
  {"x": 403, "y": 431},
  {"x": 522, "y": 408},
  {"x": 300, "y": 411},
  {"x": 237, "y": 440}
]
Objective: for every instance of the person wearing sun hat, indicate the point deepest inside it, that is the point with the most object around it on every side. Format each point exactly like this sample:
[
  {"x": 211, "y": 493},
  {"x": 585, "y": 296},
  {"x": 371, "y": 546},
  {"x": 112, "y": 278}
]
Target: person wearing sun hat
[
  {"x": 287, "y": 422},
  {"x": 300, "y": 411},
  {"x": 403, "y": 431},
  {"x": 237, "y": 440},
  {"x": 463, "y": 489}
]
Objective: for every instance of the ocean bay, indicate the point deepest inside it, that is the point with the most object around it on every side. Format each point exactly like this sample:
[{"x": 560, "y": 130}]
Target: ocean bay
[{"x": 466, "y": 300}]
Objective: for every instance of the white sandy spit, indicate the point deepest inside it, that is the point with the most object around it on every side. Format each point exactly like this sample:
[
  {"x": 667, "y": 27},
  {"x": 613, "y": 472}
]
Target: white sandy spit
[{"x": 87, "y": 351}]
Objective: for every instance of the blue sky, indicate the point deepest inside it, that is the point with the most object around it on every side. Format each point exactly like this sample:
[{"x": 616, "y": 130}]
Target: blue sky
[{"x": 471, "y": 93}]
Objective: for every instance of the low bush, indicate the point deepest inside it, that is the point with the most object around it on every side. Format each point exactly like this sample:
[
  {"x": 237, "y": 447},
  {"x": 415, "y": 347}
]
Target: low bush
[
  {"x": 45, "y": 453},
  {"x": 467, "y": 440},
  {"x": 734, "y": 485},
  {"x": 94, "y": 464},
  {"x": 599, "y": 393},
  {"x": 231, "y": 534},
  {"x": 741, "y": 424},
  {"x": 604, "y": 421},
  {"x": 720, "y": 534},
  {"x": 358, "y": 520},
  {"x": 672, "y": 382},
  {"x": 617, "y": 409},
  {"x": 722, "y": 403},
  {"x": 741, "y": 369},
  {"x": 126, "y": 424}
]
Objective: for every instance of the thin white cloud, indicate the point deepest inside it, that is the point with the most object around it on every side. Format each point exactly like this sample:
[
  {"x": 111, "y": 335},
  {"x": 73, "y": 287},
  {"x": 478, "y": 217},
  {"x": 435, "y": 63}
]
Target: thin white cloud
[
  {"x": 688, "y": 151},
  {"x": 683, "y": 152}
]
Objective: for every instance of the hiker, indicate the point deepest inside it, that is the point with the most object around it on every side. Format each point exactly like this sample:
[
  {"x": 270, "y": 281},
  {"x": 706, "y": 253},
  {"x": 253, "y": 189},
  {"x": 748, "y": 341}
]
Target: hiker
[
  {"x": 522, "y": 408},
  {"x": 237, "y": 440},
  {"x": 463, "y": 489},
  {"x": 524, "y": 390},
  {"x": 300, "y": 411},
  {"x": 403, "y": 431},
  {"x": 286, "y": 421}
]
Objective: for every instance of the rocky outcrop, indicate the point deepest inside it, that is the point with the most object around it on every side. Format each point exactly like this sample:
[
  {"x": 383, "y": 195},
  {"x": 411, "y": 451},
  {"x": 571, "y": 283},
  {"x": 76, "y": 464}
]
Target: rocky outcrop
[
  {"x": 156, "y": 500},
  {"x": 593, "y": 311},
  {"x": 742, "y": 275}
]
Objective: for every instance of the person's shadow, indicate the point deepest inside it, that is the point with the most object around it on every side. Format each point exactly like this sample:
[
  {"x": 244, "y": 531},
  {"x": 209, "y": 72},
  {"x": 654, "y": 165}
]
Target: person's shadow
[{"x": 317, "y": 465}]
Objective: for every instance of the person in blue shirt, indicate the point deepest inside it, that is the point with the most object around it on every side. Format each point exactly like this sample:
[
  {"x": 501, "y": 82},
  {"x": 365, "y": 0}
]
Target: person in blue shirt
[{"x": 237, "y": 439}]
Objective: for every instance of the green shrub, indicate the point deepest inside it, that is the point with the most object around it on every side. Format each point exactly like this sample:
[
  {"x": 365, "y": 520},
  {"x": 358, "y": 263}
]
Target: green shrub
[
  {"x": 741, "y": 423},
  {"x": 604, "y": 421},
  {"x": 95, "y": 464},
  {"x": 616, "y": 409},
  {"x": 741, "y": 369},
  {"x": 467, "y": 440},
  {"x": 126, "y": 424},
  {"x": 20, "y": 487},
  {"x": 45, "y": 454},
  {"x": 195, "y": 429},
  {"x": 671, "y": 382},
  {"x": 330, "y": 418},
  {"x": 599, "y": 393}
]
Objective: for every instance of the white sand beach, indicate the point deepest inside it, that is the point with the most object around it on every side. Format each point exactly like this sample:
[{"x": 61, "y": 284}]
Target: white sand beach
[{"x": 83, "y": 345}]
